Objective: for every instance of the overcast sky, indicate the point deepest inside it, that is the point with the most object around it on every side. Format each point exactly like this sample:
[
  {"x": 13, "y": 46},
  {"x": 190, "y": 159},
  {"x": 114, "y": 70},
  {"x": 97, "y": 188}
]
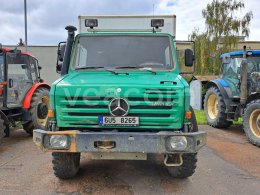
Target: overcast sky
[{"x": 47, "y": 18}]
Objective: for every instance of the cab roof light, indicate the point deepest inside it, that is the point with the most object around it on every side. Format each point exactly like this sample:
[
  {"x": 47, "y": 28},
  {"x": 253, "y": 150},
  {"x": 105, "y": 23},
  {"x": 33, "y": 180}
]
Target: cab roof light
[
  {"x": 156, "y": 23},
  {"x": 91, "y": 23}
]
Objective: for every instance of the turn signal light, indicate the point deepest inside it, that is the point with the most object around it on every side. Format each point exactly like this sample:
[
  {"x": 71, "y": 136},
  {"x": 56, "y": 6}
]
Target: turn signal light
[
  {"x": 3, "y": 83},
  {"x": 188, "y": 115},
  {"x": 50, "y": 113}
]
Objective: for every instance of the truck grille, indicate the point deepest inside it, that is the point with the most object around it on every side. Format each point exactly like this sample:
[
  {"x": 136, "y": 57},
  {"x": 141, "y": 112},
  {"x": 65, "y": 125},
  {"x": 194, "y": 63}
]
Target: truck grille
[{"x": 158, "y": 108}]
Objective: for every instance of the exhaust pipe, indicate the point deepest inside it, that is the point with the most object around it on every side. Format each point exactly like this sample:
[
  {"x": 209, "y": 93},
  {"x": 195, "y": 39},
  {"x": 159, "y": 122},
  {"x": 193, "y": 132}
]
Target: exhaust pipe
[
  {"x": 66, "y": 61},
  {"x": 243, "y": 87}
]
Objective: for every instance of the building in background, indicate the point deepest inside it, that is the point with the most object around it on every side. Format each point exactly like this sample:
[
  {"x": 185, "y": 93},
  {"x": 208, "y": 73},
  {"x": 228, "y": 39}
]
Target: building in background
[{"x": 47, "y": 56}]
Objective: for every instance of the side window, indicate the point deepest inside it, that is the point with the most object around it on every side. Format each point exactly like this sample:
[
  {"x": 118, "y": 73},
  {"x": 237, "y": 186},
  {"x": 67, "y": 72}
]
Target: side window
[
  {"x": 167, "y": 57},
  {"x": 18, "y": 67},
  {"x": 231, "y": 69},
  {"x": 81, "y": 59},
  {"x": 33, "y": 69}
]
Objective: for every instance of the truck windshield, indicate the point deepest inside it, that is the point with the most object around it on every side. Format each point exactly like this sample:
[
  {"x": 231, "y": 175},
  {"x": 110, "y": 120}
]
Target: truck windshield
[{"x": 124, "y": 52}]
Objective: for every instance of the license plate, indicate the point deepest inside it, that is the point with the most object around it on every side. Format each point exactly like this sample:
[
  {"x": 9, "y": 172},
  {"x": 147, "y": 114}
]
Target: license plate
[{"x": 118, "y": 121}]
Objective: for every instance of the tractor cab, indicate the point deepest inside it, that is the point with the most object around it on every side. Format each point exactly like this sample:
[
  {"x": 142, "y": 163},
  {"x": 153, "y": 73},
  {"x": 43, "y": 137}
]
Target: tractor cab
[
  {"x": 18, "y": 72},
  {"x": 24, "y": 98},
  {"x": 232, "y": 70},
  {"x": 236, "y": 94}
]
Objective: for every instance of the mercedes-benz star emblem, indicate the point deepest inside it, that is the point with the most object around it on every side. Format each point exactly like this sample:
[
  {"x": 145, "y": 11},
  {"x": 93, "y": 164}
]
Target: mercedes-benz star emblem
[{"x": 118, "y": 107}]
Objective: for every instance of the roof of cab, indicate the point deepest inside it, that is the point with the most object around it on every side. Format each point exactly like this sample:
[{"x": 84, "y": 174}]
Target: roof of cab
[
  {"x": 240, "y": 52},
  {"x": 24, "y": 53}
]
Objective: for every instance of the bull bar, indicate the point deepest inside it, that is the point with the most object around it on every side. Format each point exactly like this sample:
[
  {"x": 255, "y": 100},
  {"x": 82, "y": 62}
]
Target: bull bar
[{"x": 119, "y": 142}]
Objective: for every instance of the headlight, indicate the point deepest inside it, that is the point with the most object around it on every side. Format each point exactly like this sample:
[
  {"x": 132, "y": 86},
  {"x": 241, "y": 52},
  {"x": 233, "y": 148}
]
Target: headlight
[
  {"x": 59, "y": 142},
  {"x": 177, "y": 142}
]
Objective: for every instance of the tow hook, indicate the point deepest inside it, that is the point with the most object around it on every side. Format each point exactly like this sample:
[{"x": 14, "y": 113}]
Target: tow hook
[
  {"x": 173, "y": 160},
  {"x": 105, "y": 144}
]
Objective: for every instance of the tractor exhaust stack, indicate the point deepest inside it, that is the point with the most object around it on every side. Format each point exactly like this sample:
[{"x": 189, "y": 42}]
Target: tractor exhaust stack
[{"x": 243, "y": 87}]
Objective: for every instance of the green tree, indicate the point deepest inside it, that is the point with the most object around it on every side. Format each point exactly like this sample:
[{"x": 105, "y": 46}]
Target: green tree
[{"x": 222, "y": 21}]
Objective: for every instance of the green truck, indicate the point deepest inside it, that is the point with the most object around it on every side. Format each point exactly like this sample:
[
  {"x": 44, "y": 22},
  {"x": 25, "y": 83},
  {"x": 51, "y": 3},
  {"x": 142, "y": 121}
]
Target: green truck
[{"x": 120, "y": 96}]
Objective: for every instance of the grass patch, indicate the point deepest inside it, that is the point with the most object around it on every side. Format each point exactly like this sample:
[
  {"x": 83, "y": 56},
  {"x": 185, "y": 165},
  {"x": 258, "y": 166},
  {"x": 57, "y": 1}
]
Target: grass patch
[{"x": 201, "y": 118}]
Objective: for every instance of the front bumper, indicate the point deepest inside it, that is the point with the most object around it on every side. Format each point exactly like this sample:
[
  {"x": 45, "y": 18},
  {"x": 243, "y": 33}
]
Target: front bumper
[{"x": 123, "y": 142}]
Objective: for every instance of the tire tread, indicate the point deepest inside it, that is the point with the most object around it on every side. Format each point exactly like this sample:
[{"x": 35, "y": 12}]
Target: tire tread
[
  {"x": 31, "y": 125},
  {"x": 65, "y": 165},
  {"x": 221, "y": 121},
  {"x": 252, "y": 139}
]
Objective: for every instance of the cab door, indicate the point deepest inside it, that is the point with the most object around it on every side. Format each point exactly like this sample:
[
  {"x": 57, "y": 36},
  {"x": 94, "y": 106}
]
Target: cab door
[
  {"x": 34, "y": 69},
  {"x": 19, "y": 79}
]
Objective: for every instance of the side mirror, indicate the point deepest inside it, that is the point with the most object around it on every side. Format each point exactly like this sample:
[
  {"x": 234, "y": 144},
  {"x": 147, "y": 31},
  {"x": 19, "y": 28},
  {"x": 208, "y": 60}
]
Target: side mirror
[
  {"x": 61, "y": 51},
  {"x": 226, "y": 59},
  {"x": 17, "y": 52},
  {"x": 189, "y": 58},
  {"x": 60, "y": 56},
  {"x": 58, "y": 68},
  {"x": 24, "y": 66}
]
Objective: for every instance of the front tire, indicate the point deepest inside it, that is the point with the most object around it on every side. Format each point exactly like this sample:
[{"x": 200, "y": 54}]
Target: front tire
[
  {"x": 189, "y": 164},
  {"x": 65, "y": 164},
  {"x": 40, "y": 104},
  {"x": 214, "y": 108},
  {"x": 251, "y": 122},
  {"x": 187, "y": 168}
]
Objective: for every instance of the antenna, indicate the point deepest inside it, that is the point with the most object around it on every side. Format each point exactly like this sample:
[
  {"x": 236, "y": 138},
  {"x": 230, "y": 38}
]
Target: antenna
[
  {"x": 153, "y": 17},
  {"x": 153, "y": 10}
]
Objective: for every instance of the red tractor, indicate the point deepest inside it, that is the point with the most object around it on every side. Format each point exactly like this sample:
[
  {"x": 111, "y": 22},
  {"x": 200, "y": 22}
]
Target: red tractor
[{"x": 24, "y": 98}]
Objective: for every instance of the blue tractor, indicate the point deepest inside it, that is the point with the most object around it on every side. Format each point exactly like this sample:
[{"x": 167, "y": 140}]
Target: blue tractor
[{"x": 236, "y": 93}]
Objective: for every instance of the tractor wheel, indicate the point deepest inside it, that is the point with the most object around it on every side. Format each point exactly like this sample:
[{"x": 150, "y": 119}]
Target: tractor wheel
[
  {"x": 251, "y": 122},
  {"x": 4, "y": 127},
  {"x": 65, "y": 164},
  {"x": 189, "y": 160},
  {"x": 40, "y": 104},
  {"x": 214, "y": 108}
]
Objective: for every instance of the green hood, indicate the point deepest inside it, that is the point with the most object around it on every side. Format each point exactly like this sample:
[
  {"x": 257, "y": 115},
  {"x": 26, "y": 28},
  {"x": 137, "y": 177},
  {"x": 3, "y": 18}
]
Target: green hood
[
  {"x": 158, "y": 99},
  {"x": 137, "y": 78}
]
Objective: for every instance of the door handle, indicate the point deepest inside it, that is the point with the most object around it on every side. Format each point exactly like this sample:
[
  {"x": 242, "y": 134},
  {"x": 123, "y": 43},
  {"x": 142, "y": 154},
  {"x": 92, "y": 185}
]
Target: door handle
[{"x": 11, "y": 83}]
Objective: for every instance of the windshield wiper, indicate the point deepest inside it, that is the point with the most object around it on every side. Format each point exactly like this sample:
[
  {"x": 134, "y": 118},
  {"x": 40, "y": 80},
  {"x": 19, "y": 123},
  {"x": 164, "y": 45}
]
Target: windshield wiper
[
  {"x": 128, "y": 67},
  {"x": 136, "y": 67},
  {"x": 149, "y": 70},
  {"x": 112, "y": 71},
  {"x": 96, "y": 67},
  {"x": 89, "y": 67}
]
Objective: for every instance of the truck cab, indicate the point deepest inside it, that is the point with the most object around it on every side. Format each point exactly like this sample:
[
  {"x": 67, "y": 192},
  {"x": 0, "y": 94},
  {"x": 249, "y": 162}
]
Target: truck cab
[{"x": 120, "y": 96}]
